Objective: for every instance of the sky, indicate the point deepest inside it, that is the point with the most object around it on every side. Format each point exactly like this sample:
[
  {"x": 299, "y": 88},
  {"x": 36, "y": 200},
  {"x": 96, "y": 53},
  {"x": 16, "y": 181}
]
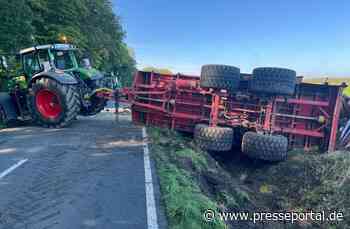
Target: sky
[{"x": 309, "y": 36}]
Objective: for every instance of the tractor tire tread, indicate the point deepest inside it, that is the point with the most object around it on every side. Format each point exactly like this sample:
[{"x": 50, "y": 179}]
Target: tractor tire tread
[
  {"x": 279, "y": 81},
  {"x": 213, "y": 138},
  {"x": 265, "y": 147},
  {"x": 220, "y": 77},
  {"x": 72, "y": 103}
]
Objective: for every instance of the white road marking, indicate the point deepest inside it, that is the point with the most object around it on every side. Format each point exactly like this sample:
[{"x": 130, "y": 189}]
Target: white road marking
[
  {"x": 152, "y": 220},
  {"x": 15, "y": 166}
]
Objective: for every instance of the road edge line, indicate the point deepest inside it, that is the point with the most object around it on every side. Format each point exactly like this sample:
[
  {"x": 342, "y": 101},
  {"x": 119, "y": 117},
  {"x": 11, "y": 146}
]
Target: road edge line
[
  {"x": 152, "y": 219},
  {"x": 13, "y": 167}
]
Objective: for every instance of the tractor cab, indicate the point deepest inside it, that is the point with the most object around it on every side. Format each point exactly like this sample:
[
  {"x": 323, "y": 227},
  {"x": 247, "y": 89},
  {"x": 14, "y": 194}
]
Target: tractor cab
[
  {"x": 60, "y": 58},
  {"x": 42, "y": 58}
]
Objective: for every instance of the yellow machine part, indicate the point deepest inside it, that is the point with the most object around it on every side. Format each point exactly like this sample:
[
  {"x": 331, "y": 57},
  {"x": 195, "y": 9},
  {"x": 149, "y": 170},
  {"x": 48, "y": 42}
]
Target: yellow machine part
[{"x": 105, "y": 90}]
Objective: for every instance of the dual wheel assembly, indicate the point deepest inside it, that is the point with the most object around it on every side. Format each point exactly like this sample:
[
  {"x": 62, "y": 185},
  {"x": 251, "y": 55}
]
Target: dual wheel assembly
[
  {"x": 254, "y": 145},
  {"x": 271, "y": 81},
  {"x": 268, "y": 80}
]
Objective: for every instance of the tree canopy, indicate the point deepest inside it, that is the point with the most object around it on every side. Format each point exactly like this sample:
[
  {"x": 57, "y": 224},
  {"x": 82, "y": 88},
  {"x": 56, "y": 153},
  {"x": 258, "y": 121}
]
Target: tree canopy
[{"x": 89, "y": 24}]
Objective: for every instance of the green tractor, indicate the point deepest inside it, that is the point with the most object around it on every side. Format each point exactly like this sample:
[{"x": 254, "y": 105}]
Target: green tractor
[{"x": 52, "y": 89}]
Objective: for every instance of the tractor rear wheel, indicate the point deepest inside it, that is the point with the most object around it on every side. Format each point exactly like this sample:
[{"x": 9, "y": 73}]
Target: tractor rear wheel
[
  {"x": 278, "y": 81},
  {"x": 265, "y": 147},
  {"x": 220, "y": 77},
  {"x": 213, "y": 138},
  {"x": 52, "y": 104}
]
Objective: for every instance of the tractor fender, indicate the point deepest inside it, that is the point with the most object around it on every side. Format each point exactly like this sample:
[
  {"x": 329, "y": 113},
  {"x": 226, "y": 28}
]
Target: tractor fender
[
  {"x": 61, "y": 77},
  {"x": 8, "y": 105}
]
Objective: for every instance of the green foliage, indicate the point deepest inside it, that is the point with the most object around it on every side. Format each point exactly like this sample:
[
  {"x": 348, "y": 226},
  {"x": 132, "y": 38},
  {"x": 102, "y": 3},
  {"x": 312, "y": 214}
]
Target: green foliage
[
  {"x": 185, "y": 203},
  {"x": 16, "y": 26},
  {"x": 305, "y": 182},
  {"x": 199, "y": 162},
  {"x": 320, "y": 182},
  {"x": 7, "y": 80},
  {"x": 89, "y": 24},
  {"x": 184, "y": 200}
]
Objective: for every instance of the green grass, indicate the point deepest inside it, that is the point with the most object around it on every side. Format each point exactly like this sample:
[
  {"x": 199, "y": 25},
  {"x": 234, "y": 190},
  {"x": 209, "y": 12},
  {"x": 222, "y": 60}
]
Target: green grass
[
  {"x": 199, "y": 162},
  {"x": 184, "y": 201},
  {"x": 192, "y": 181},
  {"x": 315, "y": 181}
]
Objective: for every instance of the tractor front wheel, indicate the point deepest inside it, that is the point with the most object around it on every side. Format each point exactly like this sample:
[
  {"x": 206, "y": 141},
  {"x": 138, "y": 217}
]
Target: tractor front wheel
[{"x": 52, "y": 104}]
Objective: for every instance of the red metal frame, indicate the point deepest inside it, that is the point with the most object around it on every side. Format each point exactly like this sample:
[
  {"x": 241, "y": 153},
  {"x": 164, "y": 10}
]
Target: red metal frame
[
  {"x": 335, "y": 121},
  {"x": 309, "y": 119},
  {"x": 215, "y": 107}
]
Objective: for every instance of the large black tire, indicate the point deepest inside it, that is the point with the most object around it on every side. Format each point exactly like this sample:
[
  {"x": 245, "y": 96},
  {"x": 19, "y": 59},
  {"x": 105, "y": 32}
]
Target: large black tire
[
  {"x": 68, "y": 98},
  {"x": 213, "y": 138},
  {"x": 277, "y": 81},
  {"x": 265, "y": 147},
  {"x": 220, "y": 77}
]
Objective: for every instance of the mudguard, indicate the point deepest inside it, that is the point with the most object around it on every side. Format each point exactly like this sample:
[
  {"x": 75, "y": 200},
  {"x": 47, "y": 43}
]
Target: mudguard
[
  {"x": 60, "y": 77},
  {"x": 89, "y": 74},
  {"x": 9, "y": 106}
]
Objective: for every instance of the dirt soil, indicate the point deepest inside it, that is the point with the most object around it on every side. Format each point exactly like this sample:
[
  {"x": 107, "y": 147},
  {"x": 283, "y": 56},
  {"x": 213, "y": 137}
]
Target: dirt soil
[{"x": 305, "y": 182}]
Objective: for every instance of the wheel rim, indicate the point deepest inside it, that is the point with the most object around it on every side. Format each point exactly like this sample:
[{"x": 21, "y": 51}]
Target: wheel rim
[{"x": 48, "y": 104}]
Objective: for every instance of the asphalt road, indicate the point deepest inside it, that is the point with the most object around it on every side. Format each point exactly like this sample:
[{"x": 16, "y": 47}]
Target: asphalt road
[{"x": 90, "y": 175}]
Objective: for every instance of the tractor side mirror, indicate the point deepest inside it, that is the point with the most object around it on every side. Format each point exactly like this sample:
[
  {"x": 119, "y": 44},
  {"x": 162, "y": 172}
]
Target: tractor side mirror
[{"x": 3, "y": 63}]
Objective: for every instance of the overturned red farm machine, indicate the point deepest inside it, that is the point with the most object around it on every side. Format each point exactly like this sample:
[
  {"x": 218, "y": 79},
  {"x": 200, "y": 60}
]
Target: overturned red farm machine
[{"x": 266, "y": 112}]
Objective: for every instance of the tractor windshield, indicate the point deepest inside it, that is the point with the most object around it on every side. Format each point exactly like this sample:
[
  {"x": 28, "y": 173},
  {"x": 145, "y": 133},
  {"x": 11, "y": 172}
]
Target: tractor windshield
[
  {"x": 64, "y": 60},
  {"x": 31, "y": 64}
]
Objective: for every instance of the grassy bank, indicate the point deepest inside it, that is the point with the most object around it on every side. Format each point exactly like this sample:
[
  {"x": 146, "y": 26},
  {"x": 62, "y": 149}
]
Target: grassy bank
[{"x": 193, "y": 181}]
